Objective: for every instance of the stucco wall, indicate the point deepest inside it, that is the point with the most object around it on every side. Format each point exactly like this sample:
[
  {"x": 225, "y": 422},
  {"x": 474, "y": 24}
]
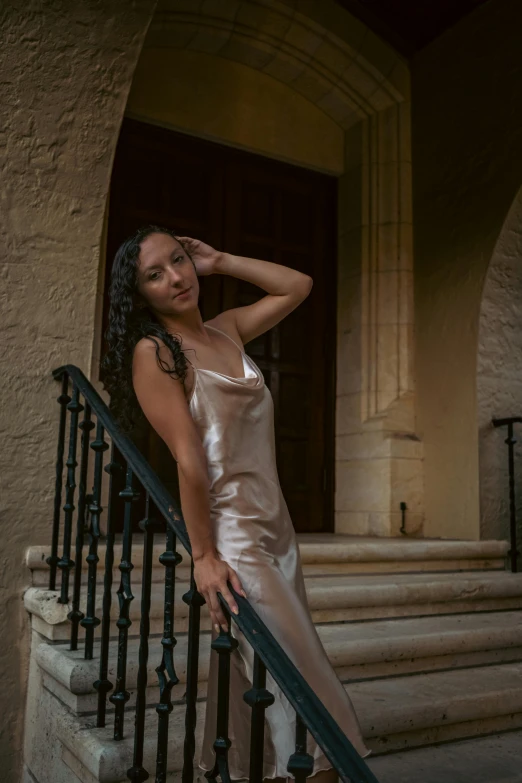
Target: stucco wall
[
  {"x": 66, "y": 75},
  {"x": 66, "y": 70},
  {"x": 499, "y": 376},
  {"x": 467, "y": 168}
]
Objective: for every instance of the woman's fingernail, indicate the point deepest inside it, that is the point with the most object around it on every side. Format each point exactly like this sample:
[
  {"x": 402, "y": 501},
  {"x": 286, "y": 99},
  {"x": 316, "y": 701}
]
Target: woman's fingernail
[
  {"x": 243, "y": 593},
  {"x": 235, "y": 609},
  {"x": 216, "y": 628}
]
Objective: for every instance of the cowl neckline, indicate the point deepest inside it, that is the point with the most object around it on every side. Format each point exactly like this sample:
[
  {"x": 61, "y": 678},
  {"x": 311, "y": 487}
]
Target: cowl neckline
[{"x": 249, "y": 366}]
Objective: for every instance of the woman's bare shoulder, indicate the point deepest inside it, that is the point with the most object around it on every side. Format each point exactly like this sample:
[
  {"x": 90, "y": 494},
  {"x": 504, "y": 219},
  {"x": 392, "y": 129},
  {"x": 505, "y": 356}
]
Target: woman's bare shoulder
[
  {"x": 146, "y": 353},
  {"x": 148, "y": 344},
  {"x": 149, "y": 348}
]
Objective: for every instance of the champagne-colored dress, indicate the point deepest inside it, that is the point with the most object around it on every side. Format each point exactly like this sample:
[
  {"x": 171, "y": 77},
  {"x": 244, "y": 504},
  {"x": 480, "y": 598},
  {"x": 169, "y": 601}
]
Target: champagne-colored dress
[{"x": 254, "y": 534}]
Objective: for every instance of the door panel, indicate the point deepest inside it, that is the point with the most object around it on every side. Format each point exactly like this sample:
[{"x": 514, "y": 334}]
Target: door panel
[
  {"x": 257, "y": 207},
  {"x": 284, "y": 214}
]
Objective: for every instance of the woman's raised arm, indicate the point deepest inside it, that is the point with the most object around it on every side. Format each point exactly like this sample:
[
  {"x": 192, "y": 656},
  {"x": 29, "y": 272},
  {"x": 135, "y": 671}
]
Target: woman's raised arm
[{"x": 286, "y": 288}]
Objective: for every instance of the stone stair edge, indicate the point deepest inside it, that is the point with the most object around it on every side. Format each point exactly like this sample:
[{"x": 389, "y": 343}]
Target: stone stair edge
[
  {"x": 339, "y": 551},
  {"x": 345, "y": 592},
  {"x": 77, "y": 675},
  {"x": 104, "y": 758},
  {"x": 402, "y": 549},
  {"x": 497, "y": 691},
  {"x": 475, "y": 759}
]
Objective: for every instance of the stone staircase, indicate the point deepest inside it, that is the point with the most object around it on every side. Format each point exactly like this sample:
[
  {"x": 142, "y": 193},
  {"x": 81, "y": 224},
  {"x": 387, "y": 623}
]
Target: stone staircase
[{"x": 425, "y": 635}]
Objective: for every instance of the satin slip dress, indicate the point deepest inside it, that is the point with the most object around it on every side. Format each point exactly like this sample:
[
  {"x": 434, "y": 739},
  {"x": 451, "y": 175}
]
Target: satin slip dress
[{"x": 253, "y": 533}]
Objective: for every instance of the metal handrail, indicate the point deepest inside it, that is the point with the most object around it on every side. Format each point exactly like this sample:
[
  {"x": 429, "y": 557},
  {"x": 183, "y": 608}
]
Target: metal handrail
[{"x": 314, "y": 715}]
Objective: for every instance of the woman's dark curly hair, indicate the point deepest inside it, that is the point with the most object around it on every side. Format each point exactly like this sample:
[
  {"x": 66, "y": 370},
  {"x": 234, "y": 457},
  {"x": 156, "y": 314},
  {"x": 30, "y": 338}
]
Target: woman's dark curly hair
[{"x": 129, "y": 320}]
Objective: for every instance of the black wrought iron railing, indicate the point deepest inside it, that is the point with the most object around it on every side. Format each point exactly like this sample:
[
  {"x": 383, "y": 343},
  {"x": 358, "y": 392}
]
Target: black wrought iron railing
[
  {"x": 128, "y": 468},
  {"x": 511, "y": 442}
]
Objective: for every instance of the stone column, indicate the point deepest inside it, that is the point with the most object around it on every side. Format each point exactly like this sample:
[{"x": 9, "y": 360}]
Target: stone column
[{"x": 378, "y": 455}]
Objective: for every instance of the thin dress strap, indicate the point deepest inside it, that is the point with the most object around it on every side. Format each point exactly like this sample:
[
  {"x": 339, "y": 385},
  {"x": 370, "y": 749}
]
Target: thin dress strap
[{"x": 226, "y": 335}]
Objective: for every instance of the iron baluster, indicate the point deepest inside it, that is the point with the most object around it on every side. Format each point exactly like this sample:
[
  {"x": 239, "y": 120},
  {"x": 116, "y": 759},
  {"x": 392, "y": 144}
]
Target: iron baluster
[
  {"x": 194, "y": 601},
  {"x": 65, "y": 563},
  {"x": 313, "y": 714},
  {"x": 75, "y": 615},
  {"x": 90, "y": 621},
  {"x": 103, "y": 685},
  {"x": 166, "y": 672},
  {"x": 53, "y": 559},
  {"x": 349, "y": 765},
  {"x": 511, "y": 443},
  {"x": 224, "y": 645},
  {"x": 121, "y": 696},
  {"x": 137, "y": 773},
  {"x": 258, "y": 698},
  {"x": 300, "y": 763}
]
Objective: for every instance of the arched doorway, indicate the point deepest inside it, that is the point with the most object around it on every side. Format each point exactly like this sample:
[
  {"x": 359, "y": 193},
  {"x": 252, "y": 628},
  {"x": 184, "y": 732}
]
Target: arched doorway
[
  {"x": 317, "y": 90},
  {"x": 252, "y": 206}
]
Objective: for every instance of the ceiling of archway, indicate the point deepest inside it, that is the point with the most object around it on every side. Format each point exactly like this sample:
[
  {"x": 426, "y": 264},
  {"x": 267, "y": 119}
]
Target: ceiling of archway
[{"x": 409, "y": 25}]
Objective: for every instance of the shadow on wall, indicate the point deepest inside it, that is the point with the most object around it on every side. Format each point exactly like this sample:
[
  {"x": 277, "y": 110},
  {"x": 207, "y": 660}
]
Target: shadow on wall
[{"x": 499, "y": 376}]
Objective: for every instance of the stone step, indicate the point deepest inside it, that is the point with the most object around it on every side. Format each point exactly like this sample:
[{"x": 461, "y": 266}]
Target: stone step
[
  {"x": 493, "y": 759},
  {"x": 357, "y": 651},
  {"x": 345, "y": 598},
  {"x": 423, "y": 554},
  {"x": 395, "y": 714},
  {"x": 325, "y": 554}
]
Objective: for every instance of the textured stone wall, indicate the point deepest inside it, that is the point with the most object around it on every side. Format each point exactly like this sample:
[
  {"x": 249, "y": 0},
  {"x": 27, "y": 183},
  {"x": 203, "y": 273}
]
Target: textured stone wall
[
  {"x": 66, "y": 74},
  {"x": 66, "y": 71},
  {"x": 467, "y": 169},
  {"x": 499, "y": 376}
]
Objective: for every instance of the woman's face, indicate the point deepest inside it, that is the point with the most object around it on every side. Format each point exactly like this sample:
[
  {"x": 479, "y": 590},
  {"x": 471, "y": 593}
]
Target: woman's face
[{"x": 164, "y": 272}]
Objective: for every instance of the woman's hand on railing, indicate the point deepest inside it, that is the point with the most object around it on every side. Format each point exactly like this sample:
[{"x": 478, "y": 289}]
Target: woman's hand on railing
[{"x": 212, "y": 574}]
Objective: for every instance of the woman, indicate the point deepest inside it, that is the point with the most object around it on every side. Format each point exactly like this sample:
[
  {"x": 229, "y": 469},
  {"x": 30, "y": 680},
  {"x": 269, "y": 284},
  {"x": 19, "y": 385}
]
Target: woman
[{"x": 206, "y": 398}]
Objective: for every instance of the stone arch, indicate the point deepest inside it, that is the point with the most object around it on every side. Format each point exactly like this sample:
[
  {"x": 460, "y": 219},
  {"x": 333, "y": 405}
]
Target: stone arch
[
  {"x": 499, "y": 375},
  {"x": 292, "y": 46},
  {"x": 337, "y": 64},
  {"x": 320, "y": 52}
]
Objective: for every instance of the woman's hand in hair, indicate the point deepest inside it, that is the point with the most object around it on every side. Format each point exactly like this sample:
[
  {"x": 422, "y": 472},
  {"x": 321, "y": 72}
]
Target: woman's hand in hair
[
  {"x": 211, "y": 575},
  {"x": 204, "y": 257}
]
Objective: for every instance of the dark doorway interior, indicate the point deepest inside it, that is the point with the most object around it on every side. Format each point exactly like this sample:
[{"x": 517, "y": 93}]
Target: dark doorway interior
[{"x": 251, "y": 206}]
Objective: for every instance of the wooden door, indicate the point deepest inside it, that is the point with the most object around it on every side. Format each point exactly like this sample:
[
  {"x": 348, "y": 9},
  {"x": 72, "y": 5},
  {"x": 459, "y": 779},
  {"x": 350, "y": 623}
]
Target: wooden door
[{"x": 251, "y": 206}]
